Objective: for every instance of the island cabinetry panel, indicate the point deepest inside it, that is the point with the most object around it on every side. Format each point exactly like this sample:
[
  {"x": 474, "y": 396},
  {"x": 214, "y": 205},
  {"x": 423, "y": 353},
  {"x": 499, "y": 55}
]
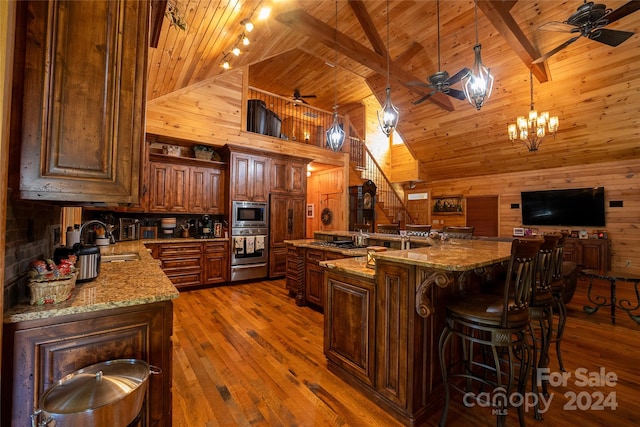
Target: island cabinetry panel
[
  {"x": 38, "y": 353},
  {"x": 249, "y": 177},
  {"x": 314, "y": 280},
  {"x": 216, "y": 262},
  {"x": 349, "y": 325},
  {"x": 295, "y": 273},
  {"x": 181, "y": 262},
  {"x": 288, "y": 176},
  {"x": 288, "y": 222},
  {"x": 83, "y": 99}
]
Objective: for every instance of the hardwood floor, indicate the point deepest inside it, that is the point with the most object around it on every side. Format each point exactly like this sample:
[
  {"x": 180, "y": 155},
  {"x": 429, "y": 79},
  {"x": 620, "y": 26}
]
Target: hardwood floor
[{"x": 247, "y": 355}]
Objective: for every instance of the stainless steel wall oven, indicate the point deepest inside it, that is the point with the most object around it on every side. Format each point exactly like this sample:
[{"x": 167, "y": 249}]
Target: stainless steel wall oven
[{"x": 249, "y": 240}]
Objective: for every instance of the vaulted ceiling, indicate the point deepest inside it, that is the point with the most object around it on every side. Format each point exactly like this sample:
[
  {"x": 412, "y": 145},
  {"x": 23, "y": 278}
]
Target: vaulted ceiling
[{"x": 593, "y": 88}]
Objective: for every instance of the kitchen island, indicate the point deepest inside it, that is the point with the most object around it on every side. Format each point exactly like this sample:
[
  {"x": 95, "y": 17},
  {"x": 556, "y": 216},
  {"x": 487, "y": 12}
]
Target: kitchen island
[
  {"x": 126, "y": 312},
  {"x": 382, "y": 325}
]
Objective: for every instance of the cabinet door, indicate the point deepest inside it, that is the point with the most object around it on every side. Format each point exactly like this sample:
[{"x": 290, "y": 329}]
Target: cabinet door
[
  {"x": 279, "y": 175},
  {"x": 288, "y": 177},
  {"x": 296, "y": 217},
  {"x": 297, "y": 178},
  {"x": 198, "y": 190},
  {"x": 349, "y": 325},
  {"x": 159, "y": 184},
  {"x": 216, "y": 262},
  {"x": 83, "y": 100},
  {"x": 314, "y": 281},
  {"x": 241, "y": 176},
  {"x": 214, "y": 191},
  {"x": 260, "y": 179},
  {"x": 179, "y": 188}
]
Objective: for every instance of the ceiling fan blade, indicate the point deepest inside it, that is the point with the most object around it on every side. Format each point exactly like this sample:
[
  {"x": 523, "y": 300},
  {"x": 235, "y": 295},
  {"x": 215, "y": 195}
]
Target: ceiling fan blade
[
  {"x": 458, "y": 94},
  {"x": 424, "y": 98},
  {"x": 610, "y": 37},
  {"x": 423, "y": 84},
  {"x": 562, "y": 27},
  {"x": 307, "y": 96},
  {"x": 623, "y": 11},
  {"x": 458, "y": 76},
  {"x": 556, "y": 50}
]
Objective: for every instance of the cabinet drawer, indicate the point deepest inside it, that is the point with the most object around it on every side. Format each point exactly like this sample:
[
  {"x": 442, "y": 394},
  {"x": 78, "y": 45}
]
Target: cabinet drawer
[
  {"x": 315, "y": 255},
  {"x": 215, "y": 247},
  {"x": 185, "y": 279},
  {"x": 181, "y": 250},
  {"x": 180, "y": 263}
]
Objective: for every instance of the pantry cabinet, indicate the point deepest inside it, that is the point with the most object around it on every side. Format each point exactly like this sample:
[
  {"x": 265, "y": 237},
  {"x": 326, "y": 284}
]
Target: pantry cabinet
[
  {"x": 81, "y": 123},
  {"x": 290, "y": 225}
]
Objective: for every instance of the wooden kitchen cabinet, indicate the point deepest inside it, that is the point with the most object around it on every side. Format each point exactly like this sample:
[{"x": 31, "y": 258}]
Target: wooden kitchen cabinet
[
  {"x": 169, "y": 187},
  {"x": 314, "y": 281},
  {"x": 206, "y": 190},
  {"x": 288, "y": 222},
  {"x": 38, "y": 353},
  {"x": 349, "y": 325},
  {"x": 181, "y": 262},
  {"x": 289, "y": 176},
  {"x": 249, "y": 177},
  {"x": 83, "y": 97},
  {"x": 216, "y": 262},
  {"x": 588, "y": 253}
]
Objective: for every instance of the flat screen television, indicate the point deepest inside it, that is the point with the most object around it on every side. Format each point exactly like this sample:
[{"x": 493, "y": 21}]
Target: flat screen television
[{"x": 575, "y": 207}]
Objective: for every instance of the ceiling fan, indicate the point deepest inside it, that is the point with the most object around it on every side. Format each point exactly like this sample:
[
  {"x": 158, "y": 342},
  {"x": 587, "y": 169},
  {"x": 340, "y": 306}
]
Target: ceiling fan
[
  {"x": 300, "y": 99},
  {"x": 589, "y": 21},
  {"x": 441, "y": 81}
]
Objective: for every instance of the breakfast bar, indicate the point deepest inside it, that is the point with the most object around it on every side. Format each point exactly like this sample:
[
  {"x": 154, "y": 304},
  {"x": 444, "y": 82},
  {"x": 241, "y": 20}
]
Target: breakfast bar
[{"x": 382, "y": 324}]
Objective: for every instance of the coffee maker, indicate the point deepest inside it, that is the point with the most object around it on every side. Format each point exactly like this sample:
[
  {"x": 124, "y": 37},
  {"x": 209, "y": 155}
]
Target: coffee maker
[{"x": 205, "y": 227}]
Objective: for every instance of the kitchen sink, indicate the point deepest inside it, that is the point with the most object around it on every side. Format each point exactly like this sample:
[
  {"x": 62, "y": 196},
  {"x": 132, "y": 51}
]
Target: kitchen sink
[{"x": 121, "y": 257}]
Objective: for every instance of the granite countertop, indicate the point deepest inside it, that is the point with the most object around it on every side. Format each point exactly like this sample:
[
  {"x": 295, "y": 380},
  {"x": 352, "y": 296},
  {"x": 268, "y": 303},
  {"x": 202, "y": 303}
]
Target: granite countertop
[
  {"x": 310, "y": 243},
  {"x": 452, "y": 255},
  {"x": 375, "y": 236},
  {"x": 356, "y": 266},
  {"x": 119, "y": 284}
]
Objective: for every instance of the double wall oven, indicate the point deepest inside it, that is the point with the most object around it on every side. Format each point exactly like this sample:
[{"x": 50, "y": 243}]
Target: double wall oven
[{"x": 249, "y": 240}]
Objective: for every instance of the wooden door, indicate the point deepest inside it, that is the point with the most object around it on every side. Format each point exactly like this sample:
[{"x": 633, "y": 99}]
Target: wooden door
[{"x": 482, "y": 213}]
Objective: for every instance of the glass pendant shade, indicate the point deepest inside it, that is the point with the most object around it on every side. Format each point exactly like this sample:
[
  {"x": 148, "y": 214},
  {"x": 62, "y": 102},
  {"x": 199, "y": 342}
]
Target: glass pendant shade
[
  {"x": 335, "y": 134},
  {"x": 388, "y": 117},
  {"x": 478, "y": 84}
]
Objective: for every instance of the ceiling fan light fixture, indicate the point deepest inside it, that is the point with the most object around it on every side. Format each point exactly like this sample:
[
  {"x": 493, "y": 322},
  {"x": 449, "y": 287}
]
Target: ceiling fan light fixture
[
  {"x": 532, "y": 129},
  {"x": 477, "y": 85}
]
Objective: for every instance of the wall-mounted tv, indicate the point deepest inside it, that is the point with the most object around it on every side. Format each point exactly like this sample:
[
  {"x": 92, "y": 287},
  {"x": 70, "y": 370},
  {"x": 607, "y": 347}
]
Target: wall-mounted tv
[{"x": 575, "y": 207}]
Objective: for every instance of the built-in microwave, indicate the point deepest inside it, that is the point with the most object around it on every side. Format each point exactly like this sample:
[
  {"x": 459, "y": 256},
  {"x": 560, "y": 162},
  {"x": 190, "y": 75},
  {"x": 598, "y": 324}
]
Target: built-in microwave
[{"x": 249, "y": 214}]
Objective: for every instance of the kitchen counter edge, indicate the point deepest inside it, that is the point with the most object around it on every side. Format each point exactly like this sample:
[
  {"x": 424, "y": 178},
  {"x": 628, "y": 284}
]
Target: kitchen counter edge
[{"x": 119, "y": 284}]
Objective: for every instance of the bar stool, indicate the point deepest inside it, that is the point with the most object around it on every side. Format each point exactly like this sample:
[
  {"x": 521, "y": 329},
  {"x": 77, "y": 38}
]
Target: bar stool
[
  {"x": 418, "y": 229},
  {"x": 389, "y": 228},
  {"x": 541, "y": 311},
  {"x": 498, "y": 323},
  {"x": 563, "y": 271},
  {"x": 452, "y": 232}
]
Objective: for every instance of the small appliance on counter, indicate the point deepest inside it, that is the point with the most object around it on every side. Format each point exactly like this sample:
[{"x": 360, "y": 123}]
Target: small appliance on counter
[
  {"x": 88, "y": 263},
  {"x": 128, "y": 229}
]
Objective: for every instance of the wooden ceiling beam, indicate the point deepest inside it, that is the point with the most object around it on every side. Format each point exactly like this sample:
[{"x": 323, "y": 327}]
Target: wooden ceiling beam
[
  {"x": 312, "y": 27},
  {"x": 360, "y": 10},
  {"x": 497, "y": 12}
]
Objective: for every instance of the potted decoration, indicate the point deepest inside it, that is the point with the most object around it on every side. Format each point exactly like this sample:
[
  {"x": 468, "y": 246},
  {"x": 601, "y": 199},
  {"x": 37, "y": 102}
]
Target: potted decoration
[{"x": 204, "y": 152}]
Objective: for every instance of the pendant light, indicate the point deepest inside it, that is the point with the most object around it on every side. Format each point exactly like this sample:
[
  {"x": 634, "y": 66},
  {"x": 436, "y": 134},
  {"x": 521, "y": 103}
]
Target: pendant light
[
  {"x": 477, "y": 85},
  {"x": 531, "y": 130},
  {"x": 335, "y": 134},
  {"x": 389, "y": 116}
]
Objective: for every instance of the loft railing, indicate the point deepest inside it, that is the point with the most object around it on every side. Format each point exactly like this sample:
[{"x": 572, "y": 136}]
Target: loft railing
[{"x": 284, "y": 118}]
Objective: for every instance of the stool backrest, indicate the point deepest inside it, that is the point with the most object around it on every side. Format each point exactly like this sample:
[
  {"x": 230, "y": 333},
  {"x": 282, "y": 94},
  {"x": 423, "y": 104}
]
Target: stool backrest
[
  {"x": 559, "y": 256},
  {"x": 520, "y": 275},
  {"x": 458, "y": 232},
  {"x": 545, "y": 267},
  {"x": 389, "y": 228}
]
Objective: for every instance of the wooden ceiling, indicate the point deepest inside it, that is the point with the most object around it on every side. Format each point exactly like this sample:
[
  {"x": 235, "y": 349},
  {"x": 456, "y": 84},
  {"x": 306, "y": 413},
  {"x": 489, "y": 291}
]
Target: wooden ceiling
[{"x": 593, "y": 88}]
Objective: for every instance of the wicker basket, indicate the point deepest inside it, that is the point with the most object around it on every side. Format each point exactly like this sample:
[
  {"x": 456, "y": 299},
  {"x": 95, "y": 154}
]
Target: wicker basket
[
  {"x": 202, "y": 155},
  {"x": 52, "y": 291}
]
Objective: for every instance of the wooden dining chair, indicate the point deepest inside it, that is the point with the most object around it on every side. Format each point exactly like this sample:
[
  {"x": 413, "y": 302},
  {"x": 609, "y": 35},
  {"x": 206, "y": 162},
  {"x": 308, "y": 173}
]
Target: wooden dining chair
[
  {"x": 456, "y": 232},
  {"x": 389, "y": 228}
]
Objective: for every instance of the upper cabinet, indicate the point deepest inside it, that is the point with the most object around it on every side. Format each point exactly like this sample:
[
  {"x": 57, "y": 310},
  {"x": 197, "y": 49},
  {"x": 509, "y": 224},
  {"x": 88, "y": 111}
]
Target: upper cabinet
[
  {"x": 288, "y": 176},
  {"x": 249, "y": 177},
  {"x": 83, "y": 97}
]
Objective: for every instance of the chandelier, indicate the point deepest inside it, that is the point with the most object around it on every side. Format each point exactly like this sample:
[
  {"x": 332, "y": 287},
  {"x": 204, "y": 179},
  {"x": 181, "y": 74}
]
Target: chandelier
[
  {"x": 389, "y": 116},
  {"x": 335, "y": 134},
  {"x": 477, "y": 85},
  {"x": 532, "y": 130}
]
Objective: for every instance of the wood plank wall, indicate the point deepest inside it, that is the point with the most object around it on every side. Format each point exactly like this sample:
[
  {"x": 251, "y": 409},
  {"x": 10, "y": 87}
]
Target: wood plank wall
[{"x": 620, "y": 180}]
